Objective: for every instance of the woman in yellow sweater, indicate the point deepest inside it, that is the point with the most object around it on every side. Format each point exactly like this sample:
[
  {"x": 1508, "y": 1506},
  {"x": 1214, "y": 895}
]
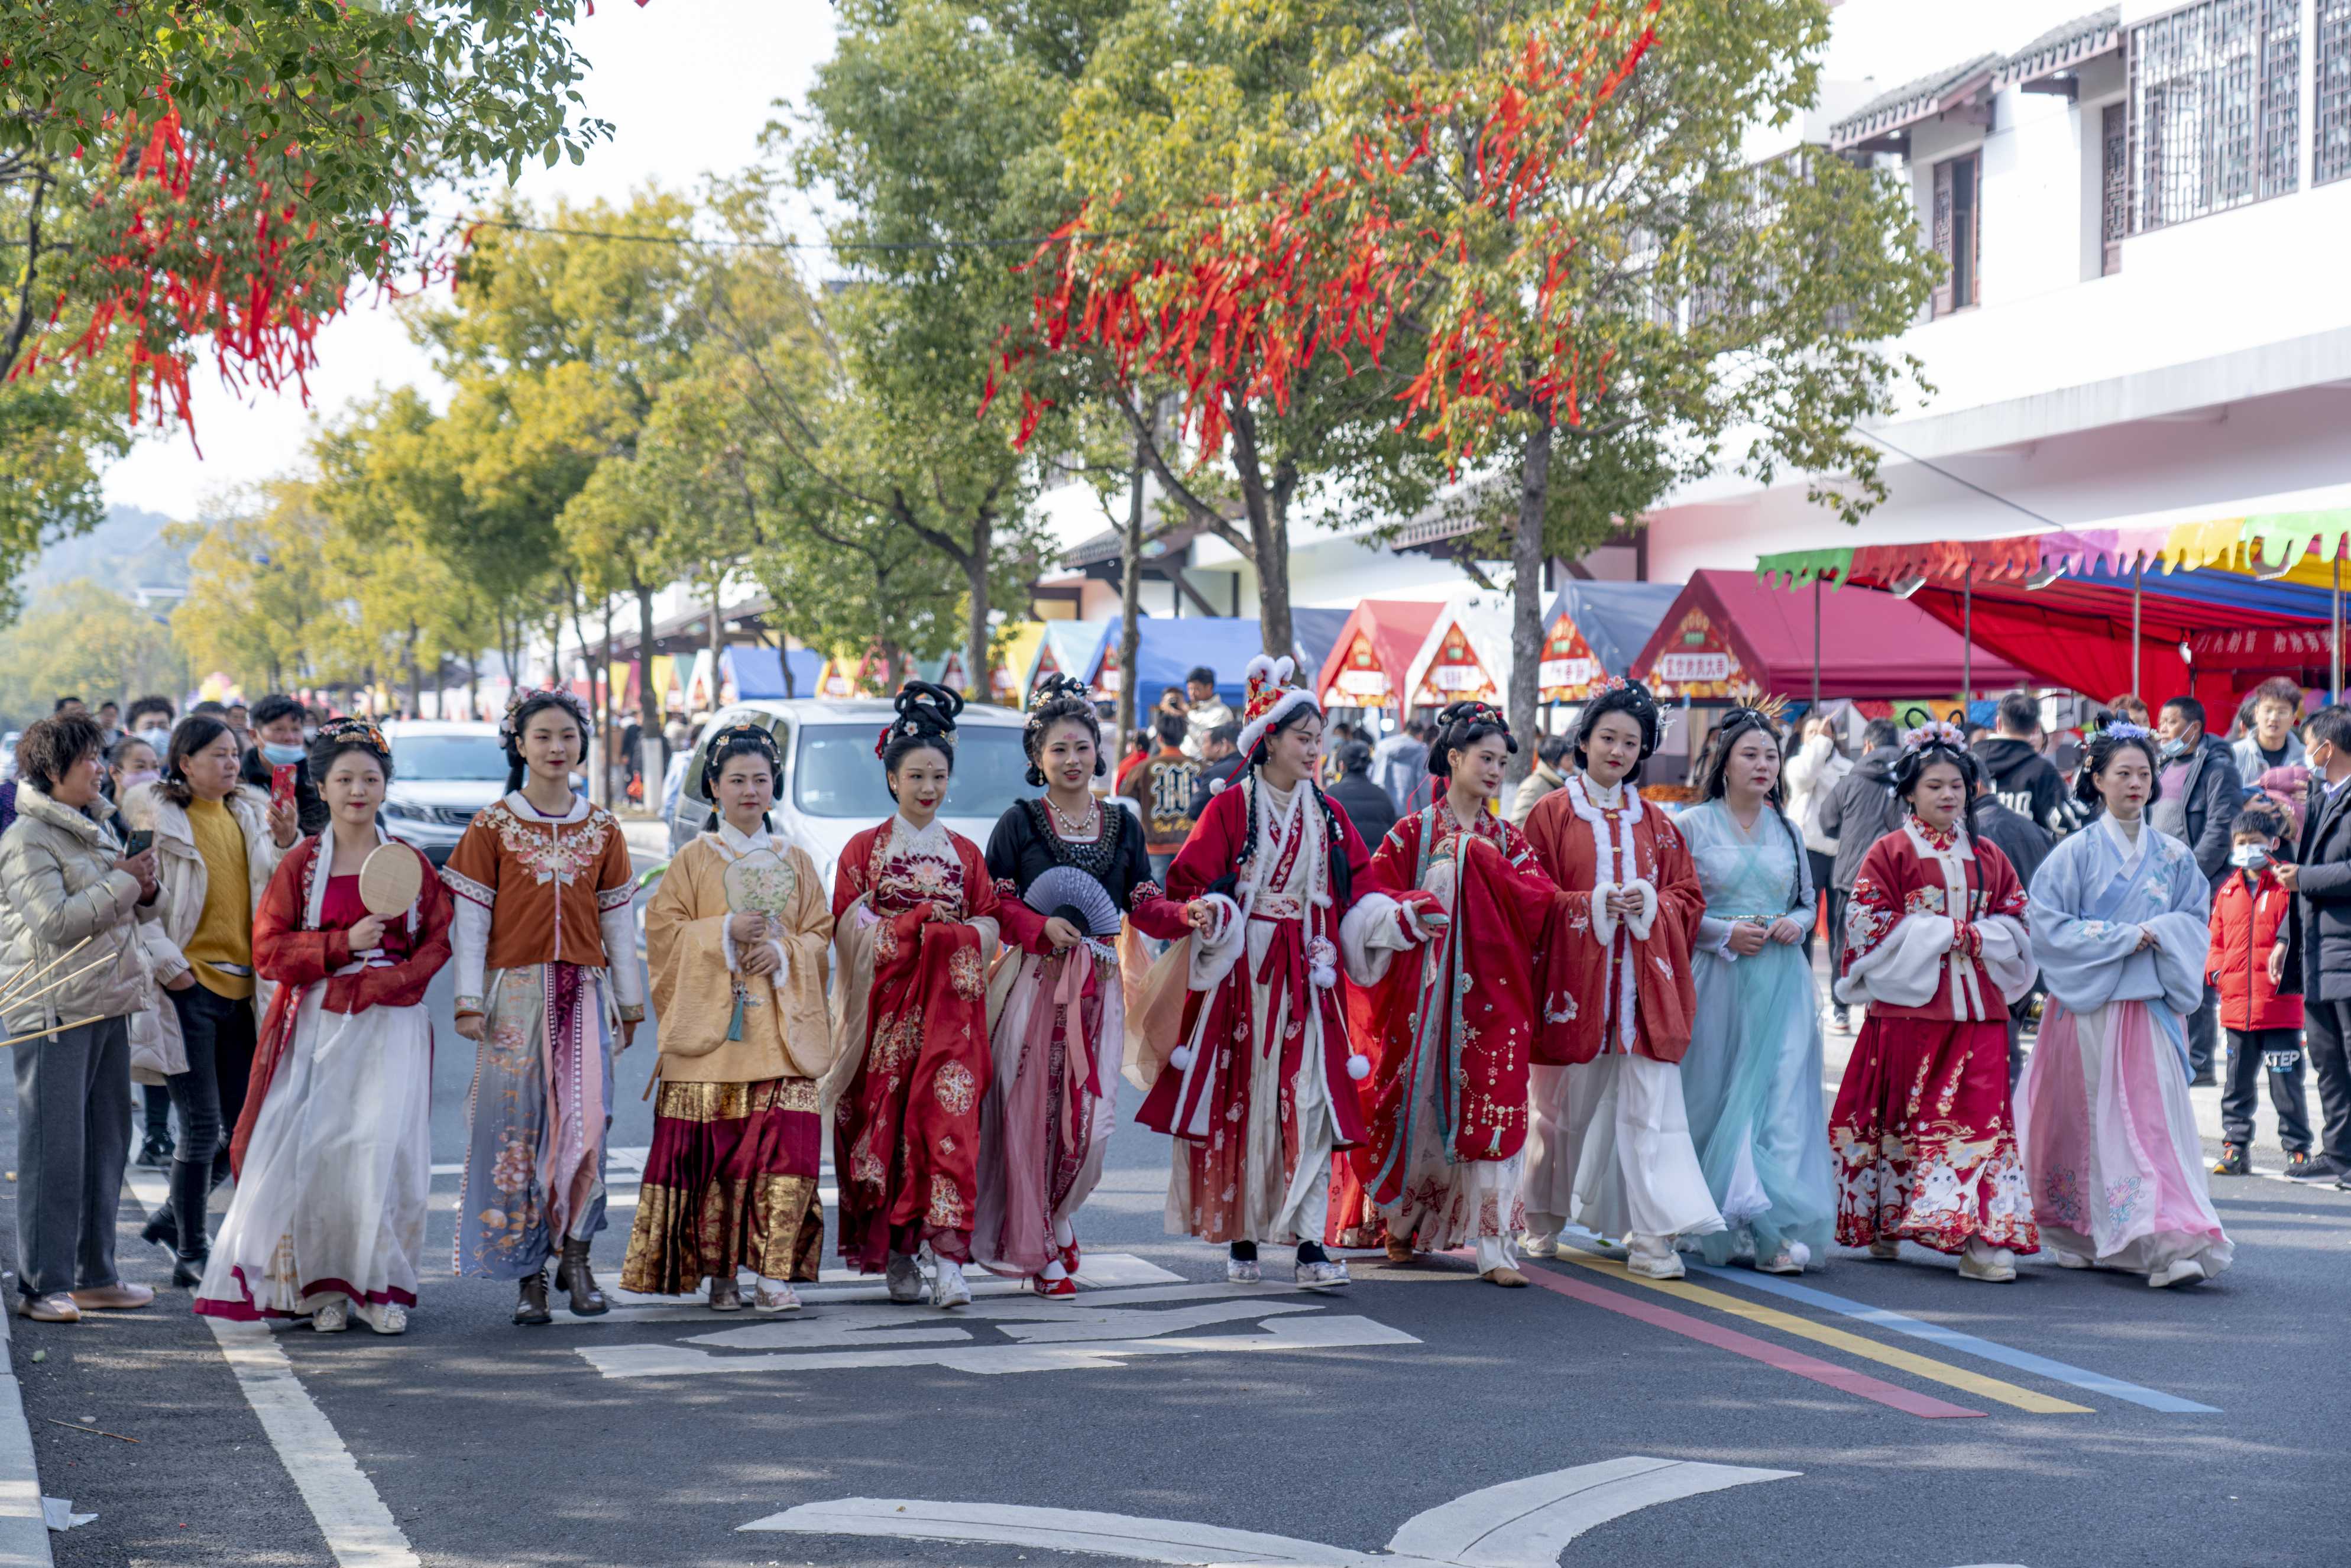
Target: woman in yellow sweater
[{"x": 738, "y": 987}]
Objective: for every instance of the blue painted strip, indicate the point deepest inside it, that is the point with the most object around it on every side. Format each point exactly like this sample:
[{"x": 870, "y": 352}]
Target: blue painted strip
[{"x": 1952, "y": 1339}]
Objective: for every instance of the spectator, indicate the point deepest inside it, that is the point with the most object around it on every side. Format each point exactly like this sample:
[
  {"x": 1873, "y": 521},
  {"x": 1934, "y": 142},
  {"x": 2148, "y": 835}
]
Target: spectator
[
  {"x": 68, "y": 882},
  {"x": 1334, "y": 741},
  {"x": 2269, "y": 741},
  {"x": 1204, "y": 712},
  {"x": 2026, "y": 845},
  {"x": 1366, "y": 804},
  {"x": 110, "y": 722},
  {"x": 1167, "y": 789},
  {"x": 2023, "y": 779},
  {"x": 2315, "y": 960},
  {"x": 277, "y": 743},
  {"x": 1550, "y": 759},
  {"x": 2250, "y": 910},
  {"x": 1814, "y": 770},
  {"x": 2197, "y": 803},
  {"x": 1138, "y": 752},
  {"x": 151, "y": 720},
  {"x": 240, "y": 719},
  {"x": 2132, "y": 709},
  {"x": 1858, "y": 812},
  {"x": 69, "y": 705},
  {"x": 1400, "y": 762},
  {"x": 1220, "y": 760},
  {"x": 217, "y": 842}
]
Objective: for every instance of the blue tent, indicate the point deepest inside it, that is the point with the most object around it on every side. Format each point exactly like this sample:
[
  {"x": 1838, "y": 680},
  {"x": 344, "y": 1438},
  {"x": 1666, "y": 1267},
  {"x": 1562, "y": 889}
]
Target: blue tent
[
  {"x": 1316, "y": 632},
  {"x": 758, "y": 670},
  {"x": 1617, "y": 619},
  {"x": 1073, "y": 648}
]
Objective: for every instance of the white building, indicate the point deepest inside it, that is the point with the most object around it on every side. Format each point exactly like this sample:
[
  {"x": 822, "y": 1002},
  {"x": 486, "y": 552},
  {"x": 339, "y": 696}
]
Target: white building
[{"x": 2147, "y": 211}]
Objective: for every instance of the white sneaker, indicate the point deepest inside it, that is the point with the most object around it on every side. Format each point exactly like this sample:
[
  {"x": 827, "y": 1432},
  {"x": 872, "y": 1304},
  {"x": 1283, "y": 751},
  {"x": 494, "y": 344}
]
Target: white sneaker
[
  {"x": 775, "y": 1298},
  {"x": 1242, "y": 1270},
  {"x": 2186, "y": 1271},
  {"x": 2068, "y": 1260},
  {"x": 1329, "y": 1274},
  {"x": 1993, "y": 1265},
  {"x": 1533, "y": 1246},
  {"x": 947, "y": 1286},
  {"x": 905, "y": 1278},
  {"x": 1788, "y": 1259},
  {"x": 334, "y": 1317},
  {"x": 1652, "y": 1257},
  {"x": 390, "y": 1318}
]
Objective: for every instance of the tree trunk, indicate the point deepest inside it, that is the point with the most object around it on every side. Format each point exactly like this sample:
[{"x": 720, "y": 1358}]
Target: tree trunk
[
  {"x": 1130, "y": 603},
  {"x": 717, "y": 628},
  {"x": 415, "y": 673},
  {"x": 648, "y": 702},
  {"x": 1269, "y": 523},
  {"x": 610, "y": 705},
  {"x": 975, "y": 636},
  {"x": 1526, "y": 592}
]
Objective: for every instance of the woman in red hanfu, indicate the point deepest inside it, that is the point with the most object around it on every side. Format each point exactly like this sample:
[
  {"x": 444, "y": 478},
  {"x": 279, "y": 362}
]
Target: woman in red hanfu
[
  {"x": 1935, "y": 945},
  {"x": 915, "y": 922},
  {"x": 1457, "y": 1027},
  {"x": 1611, "y": 1145},
  {"x": 1259, "y": 1083}
]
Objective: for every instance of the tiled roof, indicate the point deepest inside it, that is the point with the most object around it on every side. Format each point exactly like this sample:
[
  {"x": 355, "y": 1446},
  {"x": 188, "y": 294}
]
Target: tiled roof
[
  {"x": 2070, "y": 44},
  {"x": 1910, "y": 102}
]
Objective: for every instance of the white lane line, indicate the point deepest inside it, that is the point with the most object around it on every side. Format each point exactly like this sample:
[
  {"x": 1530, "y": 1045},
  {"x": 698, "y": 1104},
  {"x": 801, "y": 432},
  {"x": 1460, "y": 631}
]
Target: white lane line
[
  {"x": 358, "y": 1528},
  {"x": 24, "y": 1528},
  {"x": 1528, "y": 1523}
]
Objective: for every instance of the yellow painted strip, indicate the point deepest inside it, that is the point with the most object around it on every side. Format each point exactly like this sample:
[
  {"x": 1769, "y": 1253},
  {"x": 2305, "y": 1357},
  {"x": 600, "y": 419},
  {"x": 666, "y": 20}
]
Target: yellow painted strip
[{"x": 1974, "y": 1382}]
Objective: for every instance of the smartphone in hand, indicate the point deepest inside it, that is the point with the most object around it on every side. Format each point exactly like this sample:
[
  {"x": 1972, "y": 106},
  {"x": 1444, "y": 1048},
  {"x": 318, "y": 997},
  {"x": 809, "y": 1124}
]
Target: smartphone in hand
[
  {"x": 141, "y": 841},
  {"x": 281, "y": 782}
]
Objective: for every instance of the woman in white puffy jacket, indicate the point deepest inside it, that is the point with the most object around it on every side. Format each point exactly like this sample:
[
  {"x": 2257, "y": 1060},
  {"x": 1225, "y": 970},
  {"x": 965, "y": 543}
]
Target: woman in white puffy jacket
[{"x": 1814, "y": 770}]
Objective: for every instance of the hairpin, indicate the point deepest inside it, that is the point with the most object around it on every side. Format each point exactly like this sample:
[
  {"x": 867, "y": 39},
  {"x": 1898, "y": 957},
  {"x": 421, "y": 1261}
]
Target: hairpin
[{"x": 1934, "y": 732}]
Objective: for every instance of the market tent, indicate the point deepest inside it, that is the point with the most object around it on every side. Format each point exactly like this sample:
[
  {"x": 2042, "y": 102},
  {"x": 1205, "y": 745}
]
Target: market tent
[
  {"x": 1170, "y": 648},
  {"x": 1595, "y": 629},
  {"x": 1071, "y": 648},
  {"x": 1016, "y": 649},
  {"x": 1465, "y": 654},
  {"x": 1730, "y": 634},
  {"x": 756, "y": 670},
  {"x": 1371, "y": 651}
]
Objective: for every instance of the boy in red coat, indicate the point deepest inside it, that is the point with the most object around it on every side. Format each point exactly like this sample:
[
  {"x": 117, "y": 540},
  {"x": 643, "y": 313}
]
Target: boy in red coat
[{"x": 2248, "y": 908}]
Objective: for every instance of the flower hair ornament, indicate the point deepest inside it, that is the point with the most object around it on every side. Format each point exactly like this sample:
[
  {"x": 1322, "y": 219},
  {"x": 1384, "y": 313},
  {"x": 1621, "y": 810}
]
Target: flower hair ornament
[
  {"x": 509, "y": 728},
  {"x": 751, "y": 735},
  {"x": 924, "y": 709},
  {"x": 1939, "y": 732},
  {"x": 2120, "y": 729},
  {"x": 1269, "y": 698},
  {"x": 356, "y": 731},
  {"x": 1053, "y": 688},
  {"x": 1472, "y": 712}
]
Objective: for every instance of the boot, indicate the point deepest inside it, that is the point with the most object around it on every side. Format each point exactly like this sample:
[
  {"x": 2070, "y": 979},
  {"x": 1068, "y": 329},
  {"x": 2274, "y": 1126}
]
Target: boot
[
  {"x": 188, "y": 1268},
  {"x": 530, "y": 1307},
  {"x": 573, "y": 1274},
  {"x": 184, "y": 1218}
]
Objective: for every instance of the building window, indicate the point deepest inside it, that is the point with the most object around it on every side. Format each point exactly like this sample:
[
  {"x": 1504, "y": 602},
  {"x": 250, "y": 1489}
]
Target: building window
[
  {"x": 2114, "y": 183},
  {"x": 1958, "y": 182},
  {"x": 2214, "y": 100},
  {"x": 2330, "y": 155}
]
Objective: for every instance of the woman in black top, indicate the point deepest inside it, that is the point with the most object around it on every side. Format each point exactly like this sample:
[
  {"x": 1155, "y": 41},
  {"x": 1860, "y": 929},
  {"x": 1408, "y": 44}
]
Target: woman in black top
[{"x": 1068, "y": 866}]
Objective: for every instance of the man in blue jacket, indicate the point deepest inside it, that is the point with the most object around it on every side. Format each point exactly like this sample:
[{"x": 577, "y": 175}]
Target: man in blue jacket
[{"x": 2198, "y": 805}]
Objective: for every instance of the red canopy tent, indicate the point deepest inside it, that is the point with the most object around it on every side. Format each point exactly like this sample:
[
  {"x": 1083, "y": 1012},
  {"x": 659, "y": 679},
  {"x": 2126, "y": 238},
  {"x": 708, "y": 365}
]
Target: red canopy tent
[
  {"x": 1367, "y": 666},
  {"x": 1732, "y": 633}
]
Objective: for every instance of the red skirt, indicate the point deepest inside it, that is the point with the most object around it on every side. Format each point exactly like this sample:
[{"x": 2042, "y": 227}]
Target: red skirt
[
  {"x": 1926, "y": 1141},
  {"x": 730, "y": 1183}
]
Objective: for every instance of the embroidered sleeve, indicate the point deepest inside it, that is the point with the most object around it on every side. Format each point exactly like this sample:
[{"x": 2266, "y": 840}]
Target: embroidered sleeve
[
  {"x": 1144, "y": 891},
  {"x": 1007, "y": 890},
  {"x": 613, "y": 898},
  {"x": 466, "y": 887}
]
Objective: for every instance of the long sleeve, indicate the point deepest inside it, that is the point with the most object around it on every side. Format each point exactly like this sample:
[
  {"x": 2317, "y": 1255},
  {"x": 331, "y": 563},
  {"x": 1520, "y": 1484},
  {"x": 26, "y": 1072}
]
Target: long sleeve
[
  {"x": 1889, "y": 954},
  {"x": 283, "y": 951},
  {"x": 404, "y": 984},
  {"x": 36, "y": 883},
  {"x": 1148, "y": 908},
  {"x": 471, "y": 876},
  {"x": 615, "y": 892},
  {"x": 1370, "y": 937},
  {"x": 683, "y": 951}
]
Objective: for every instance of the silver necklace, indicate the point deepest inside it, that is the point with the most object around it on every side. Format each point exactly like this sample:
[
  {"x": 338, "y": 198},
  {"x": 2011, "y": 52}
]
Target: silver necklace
[{"x": 1082, "y": 829}]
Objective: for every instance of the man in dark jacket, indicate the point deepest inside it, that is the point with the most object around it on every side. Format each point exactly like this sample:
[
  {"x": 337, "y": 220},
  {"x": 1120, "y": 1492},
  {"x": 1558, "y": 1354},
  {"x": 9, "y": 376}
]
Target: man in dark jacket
[
  {"x": 2023, "y": 780},
  {"x": 1366, "y": 804},
  {"x": 1220, "y": 760},
  {"x": 2026, "y": 845},
  {"x": 2198, "y": 804},
  {"x": 2315, "y": 958},
  {"x": 1861, "y": 810},
  {"x": 277, "y": 741}
]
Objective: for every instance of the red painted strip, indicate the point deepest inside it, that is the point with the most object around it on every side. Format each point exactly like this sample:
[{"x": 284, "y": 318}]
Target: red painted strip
[{"x": 1786, "y": 1359}]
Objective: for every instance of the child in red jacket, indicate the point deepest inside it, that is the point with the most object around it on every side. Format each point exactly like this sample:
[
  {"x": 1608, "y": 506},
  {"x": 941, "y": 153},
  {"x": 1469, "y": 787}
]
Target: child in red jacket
[{"x": 2248, "y": 908}]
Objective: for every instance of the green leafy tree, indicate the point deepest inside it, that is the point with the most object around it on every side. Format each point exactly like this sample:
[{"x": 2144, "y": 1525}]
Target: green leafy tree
[
  {"x": 88, "y": 640},
  {"x": 259, "y": 605}
]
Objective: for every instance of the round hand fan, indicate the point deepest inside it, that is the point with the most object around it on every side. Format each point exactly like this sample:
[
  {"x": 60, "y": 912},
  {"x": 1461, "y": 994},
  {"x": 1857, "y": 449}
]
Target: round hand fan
[
  {"x": 761, "y": 883},
  {"x": 390, "y": 879},
  {"x": 1077, "y": 898}
]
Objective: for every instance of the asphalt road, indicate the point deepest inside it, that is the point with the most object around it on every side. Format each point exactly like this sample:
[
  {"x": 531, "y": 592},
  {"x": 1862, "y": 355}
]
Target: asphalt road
[{"x": 1326, "y": 1420}]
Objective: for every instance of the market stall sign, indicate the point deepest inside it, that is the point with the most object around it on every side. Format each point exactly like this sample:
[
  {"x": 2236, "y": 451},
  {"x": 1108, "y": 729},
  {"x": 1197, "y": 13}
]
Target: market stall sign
[
  {"x": 1455, "y": 675},
  {"x": 1361, "y": 682},
  {"x": 1697, "y": 662},
  {"x": 1569, "y": 669}
]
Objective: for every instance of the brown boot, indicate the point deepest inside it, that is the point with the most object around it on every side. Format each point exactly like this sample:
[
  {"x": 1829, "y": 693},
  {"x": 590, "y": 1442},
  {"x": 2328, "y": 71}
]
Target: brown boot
[
  {"x": 1399, "y": 1248},
  {"x": 572, "y": 1274},
  {"x": 530, "y": 1307}
]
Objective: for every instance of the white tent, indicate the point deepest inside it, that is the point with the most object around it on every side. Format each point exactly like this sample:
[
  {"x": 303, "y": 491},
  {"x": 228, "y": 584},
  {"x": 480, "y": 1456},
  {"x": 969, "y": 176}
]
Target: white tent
[{"x": 1466, "y": 655}]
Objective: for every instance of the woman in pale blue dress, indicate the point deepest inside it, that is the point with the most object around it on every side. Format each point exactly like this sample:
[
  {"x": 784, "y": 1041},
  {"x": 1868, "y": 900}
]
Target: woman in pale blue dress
[{"x": 1751, "y": 1081}]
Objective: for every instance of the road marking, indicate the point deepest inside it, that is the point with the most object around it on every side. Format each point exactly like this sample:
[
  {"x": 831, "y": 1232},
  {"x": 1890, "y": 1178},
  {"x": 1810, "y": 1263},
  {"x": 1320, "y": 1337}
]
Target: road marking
[
  {"x": 1933, "y": 1371},
  {"x": 1098, "y": 1271},
  {"x": 1953, "y": 1339},
  {"x": 1808, "y": 1366},
  {"x": 1519, "y": 1524},
  {"x": 358, "y": 1528}
]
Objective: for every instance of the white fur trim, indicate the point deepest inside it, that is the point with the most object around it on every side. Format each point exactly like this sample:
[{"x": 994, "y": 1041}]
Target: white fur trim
[
  {"x": 1603, "y": 919},
  {"x": 1290, "y": 702},
  {"x": 1641, "y": 923},
  {"x": 1257, "y": 669},
  {"x": 1907, "y": 969},
  {"x": 1215, "y": 950},
  {"x": 1217, "y": 786},
  {"x": 1370, "y": 937}
]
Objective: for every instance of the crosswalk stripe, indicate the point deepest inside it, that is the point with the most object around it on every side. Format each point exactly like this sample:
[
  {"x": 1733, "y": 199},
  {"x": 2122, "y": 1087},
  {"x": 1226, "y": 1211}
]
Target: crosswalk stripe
[{"x": 1916, "y": 1365}]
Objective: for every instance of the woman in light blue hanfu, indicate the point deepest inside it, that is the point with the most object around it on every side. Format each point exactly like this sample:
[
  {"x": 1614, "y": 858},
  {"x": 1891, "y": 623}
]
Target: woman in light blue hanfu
[
  {"x": 2118, "y": 922},
  {"x": 1751, "y": 1081}
]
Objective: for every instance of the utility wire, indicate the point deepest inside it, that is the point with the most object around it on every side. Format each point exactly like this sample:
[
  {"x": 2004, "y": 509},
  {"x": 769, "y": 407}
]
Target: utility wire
[{"x": 1957, "y": 478}]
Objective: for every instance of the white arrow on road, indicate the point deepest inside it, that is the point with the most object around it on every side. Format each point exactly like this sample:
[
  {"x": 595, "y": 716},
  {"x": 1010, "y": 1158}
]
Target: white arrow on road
[{"x": 1519, "y": 1524}]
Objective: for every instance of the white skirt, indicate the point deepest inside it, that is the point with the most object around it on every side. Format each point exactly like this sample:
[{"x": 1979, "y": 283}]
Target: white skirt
[
  {"x": 1610, "y": 1149},
  {"x": 338, "y": 1176}
]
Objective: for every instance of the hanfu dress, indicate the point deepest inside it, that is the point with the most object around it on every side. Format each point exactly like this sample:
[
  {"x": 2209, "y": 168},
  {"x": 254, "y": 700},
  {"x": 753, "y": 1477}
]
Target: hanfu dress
[
  {"x": 730, "y": 1182},
  {"x": 1059, "y": 1032},
  {"x": 546, "y": 951},
  {"x": 333, "y": 1152},
  {"x": 2111, "y": 1147},
  {"x": 1611, "y": 1147},
  {"x": 1456, "y": 1025},
  {"x": 1925, "y": 1141},
  {"x": 1751, "y": 1080},
  {"x": 915, "y": 921},
  {"x": 1244, "y": 1045}
]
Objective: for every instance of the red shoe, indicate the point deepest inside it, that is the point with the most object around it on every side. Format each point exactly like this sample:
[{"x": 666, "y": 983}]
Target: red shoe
[
  {"x": 1069, "y": 1255},
  {"x": 1065, "y": 1286}
]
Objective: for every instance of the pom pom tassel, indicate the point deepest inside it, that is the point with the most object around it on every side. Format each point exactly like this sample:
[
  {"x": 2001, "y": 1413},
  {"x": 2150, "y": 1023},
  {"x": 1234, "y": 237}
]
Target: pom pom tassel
[
  {"x": 1359, "y": 1068},
  {"x": 1325, "y": 976},
  {"x": 1180, "y": 1058}
]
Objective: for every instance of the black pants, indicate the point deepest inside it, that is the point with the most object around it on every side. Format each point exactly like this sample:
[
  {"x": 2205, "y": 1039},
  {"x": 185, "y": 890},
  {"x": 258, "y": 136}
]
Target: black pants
[
  {"x": 218, "y": 1032},
  {"x": 1822, "y": 866},
  {"x": 2203, "y": 1035},
  {"x": 2255, "y": 1054},
  {"x": 157, "y": 1101},
  {"x": 2325, "y": 1027},
  {"x": 1839, "y": 898}
]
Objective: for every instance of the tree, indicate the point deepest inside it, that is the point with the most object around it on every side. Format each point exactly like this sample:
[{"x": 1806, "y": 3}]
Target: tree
[
  {"x": 88, "y": 640},
  {"x": 258, "y": 606}
]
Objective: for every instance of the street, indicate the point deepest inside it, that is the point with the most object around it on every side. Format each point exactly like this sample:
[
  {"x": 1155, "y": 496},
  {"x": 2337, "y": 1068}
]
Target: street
[{"x": 1887, "y": 1413}]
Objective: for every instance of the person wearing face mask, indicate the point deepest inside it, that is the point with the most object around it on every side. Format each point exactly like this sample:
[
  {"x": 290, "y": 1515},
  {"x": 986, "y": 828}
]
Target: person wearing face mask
[
  {"x": 2314, "y": 960},
  {"x": 2200, "y": 799},
  {"x": 2249, "y": 911},
  {"x": 277, "y": 743}
]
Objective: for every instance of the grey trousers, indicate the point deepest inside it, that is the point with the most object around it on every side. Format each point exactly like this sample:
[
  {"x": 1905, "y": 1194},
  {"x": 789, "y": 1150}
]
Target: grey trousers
[{"x": 73, "y": 1133}]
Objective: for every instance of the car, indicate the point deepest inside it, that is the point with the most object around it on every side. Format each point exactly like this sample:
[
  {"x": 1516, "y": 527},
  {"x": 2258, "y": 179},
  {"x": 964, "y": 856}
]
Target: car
[
  {"x": 832, "y": 786},
  {"x": 443, "y": 772}
]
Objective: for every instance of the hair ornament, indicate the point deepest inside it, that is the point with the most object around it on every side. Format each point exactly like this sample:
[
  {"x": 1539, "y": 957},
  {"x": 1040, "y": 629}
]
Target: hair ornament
[
  {"x": 2121, "y": 729},
  {"x": 1053, "y": 688},
  {"x": 356, "y": 731},
  {"x": 509, "y": 732},
  {"x": 926, "y": 709},
  {"x": 1934, "y": 732}
]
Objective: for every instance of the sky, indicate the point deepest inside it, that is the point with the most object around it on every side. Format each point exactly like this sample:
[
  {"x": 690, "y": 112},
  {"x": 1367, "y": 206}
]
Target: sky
[{"x": 687, "y": 85}]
